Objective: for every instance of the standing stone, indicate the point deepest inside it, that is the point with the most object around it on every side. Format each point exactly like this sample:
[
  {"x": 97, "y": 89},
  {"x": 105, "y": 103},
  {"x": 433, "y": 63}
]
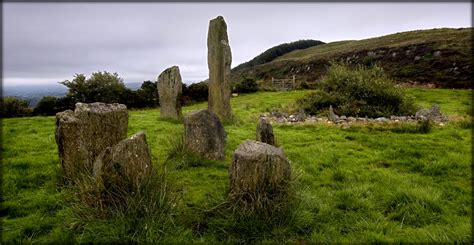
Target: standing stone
[
  {"x": 204, "y": 135},
  {"x": 125, "y": 166},
  {"x": 83, "y": 134},
  {"x": 170, "y": 90},
  {"x": 219, "y": 59},
  {"x": 332, "y": 116},
  {"x": 265, "y": 132},
  {"x": 258, "y": 169}
]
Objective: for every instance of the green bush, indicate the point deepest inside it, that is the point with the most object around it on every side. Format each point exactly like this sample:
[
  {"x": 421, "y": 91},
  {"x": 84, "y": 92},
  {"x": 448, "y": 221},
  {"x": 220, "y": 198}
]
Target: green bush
[
  {"x": 14, "y": 107},
  {"x": 360, "y": 91},
  {"x": 47, "y": 106},
  {"x": 246, "y": 85}
]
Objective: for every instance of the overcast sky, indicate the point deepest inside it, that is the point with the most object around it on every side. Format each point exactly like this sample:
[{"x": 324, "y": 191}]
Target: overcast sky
[{"x": 50, "y": 42}]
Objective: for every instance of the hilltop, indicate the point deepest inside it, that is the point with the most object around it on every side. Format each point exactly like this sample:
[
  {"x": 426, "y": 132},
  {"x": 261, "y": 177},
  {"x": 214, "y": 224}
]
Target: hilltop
[{"x": 441, "y": 57}]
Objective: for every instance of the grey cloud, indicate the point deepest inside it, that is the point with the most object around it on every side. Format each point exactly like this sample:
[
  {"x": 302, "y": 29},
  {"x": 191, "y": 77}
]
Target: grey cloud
[{"x": 138, "y": 40}]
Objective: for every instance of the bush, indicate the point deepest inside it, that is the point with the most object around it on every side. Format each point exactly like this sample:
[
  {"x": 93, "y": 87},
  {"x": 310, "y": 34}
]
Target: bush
[
  {"x": 47, "y": 106},
  {"x": 358, "y": 92},
  {"x": 246, "y": 85},
  {"x": 14, "y": 107},
  {"x": 196, "y": 92}
]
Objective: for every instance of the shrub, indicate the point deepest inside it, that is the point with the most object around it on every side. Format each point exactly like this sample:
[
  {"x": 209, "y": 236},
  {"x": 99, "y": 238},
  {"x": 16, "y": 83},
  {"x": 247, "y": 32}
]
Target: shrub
[
  {"x": 246, "y": 85},
  {"x": 14, "y": 107},
  {"x": 47, "y": 106},
  {"x": 196, "y": 92},
  {"x": 359, "y": 91}
]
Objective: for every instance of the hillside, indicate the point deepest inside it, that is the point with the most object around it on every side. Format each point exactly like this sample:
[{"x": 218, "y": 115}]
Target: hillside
[
  {"x": 441, "y": 57},
  {"x": 279, "y": 50}
]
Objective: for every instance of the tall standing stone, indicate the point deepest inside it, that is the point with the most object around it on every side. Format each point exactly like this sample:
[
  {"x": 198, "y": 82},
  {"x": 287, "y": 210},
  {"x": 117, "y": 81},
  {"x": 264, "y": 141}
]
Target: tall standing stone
[
  {"x": 169, "y": 91},
  {"x": 204, "y": 135},
  {"x": 219, "y": 59},
  {"x": 258, "y": 170},
  {"x": 82, "y": 134},
  {"x": 265, "y": 132}
]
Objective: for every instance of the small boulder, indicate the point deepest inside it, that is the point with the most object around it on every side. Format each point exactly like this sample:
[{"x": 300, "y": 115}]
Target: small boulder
[
  {"x": 265, "y": 132},
  {"x": 332, "y": 116},
  {"x": 125, "y": 166},
  {"x": 258, "y": 169},
  {"x": 204, "y": 135}
]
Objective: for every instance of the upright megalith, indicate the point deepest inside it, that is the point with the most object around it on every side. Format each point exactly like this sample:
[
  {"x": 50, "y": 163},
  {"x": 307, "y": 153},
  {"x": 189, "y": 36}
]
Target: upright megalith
[
  {"x": 258, "y": 170},
  {"x": 219, "y": 59},
  {"x": 125, "y": 166},
  {"x": 82, "y": 134},
  {"x": 204, "y": 135},
  {"x": 169, "y": 91},
  {"x": 265, "y": 132}
]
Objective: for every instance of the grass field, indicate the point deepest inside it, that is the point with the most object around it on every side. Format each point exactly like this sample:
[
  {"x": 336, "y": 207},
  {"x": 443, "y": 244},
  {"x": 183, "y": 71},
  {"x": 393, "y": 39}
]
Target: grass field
[{"x": 365, "y": 183}]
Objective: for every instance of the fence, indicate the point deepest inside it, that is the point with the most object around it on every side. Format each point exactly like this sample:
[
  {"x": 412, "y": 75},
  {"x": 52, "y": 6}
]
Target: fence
[{"x": 284, "y": 84}]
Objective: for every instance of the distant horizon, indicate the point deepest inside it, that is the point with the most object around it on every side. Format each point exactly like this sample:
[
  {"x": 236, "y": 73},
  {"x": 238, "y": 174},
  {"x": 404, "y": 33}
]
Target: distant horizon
[{"x": 48, "y": 42}]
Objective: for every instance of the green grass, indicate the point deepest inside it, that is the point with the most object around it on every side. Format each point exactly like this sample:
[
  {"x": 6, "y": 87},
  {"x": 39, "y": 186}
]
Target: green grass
[{"x": 365, "y": 183}]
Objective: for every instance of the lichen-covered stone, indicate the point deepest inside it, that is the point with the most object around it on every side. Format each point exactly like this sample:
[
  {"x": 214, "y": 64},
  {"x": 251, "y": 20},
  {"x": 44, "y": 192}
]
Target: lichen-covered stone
[
  {"x": 219, "y": 59},
  {"x": 332, "y": 116},
  {"x": 83, "y": 134},
  {"x": 258, "y": 168},
  {"x": 265, "y": 132},
  {"x": 204, "y": 135},
  {"x": 169, "y": 91},
  {"x": 434, "y": 114},
  {"x": 125, "y": 166}
]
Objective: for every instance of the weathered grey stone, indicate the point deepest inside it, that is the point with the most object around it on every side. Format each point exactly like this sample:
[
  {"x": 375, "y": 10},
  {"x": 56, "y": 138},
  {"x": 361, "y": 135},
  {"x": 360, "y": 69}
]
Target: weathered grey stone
[
  {"x": 265, "y": 132},
  {"x": 434, "y": 113},
  {"x": 219, "y": 59},
  {"x": 125, "y": 166},
  {"x": 204, "y": 135},
  {"x": 169, "y": 91},
  {"x": 258, "y": 168},
  {"x": 437, "y": 53},
  {"x": 332, "y": 116},
  {"x": 83, "y": 134}
]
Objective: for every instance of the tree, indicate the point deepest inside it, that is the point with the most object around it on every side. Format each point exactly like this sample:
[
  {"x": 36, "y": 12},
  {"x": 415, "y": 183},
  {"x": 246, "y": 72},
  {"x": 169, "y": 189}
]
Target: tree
[
  {"x": 100, "y": 87},
  {"x": 148, "y": 94}
]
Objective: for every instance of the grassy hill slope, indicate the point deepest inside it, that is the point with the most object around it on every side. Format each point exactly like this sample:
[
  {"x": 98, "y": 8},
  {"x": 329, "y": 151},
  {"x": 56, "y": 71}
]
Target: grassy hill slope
[
  {"x": 365, "y": 183},
  {"x": 438, "y": 56}
]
